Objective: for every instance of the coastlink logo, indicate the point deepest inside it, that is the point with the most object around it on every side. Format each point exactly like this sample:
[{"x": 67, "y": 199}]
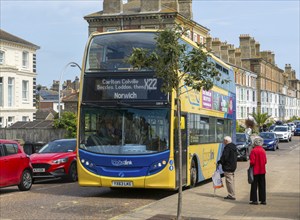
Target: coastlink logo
[{"x": 121, "y": 162}]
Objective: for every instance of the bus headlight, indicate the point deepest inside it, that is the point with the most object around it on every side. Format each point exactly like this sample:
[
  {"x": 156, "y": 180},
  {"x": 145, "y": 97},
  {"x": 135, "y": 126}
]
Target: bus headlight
[
  {"x": 157, "y": 166},
  {"x": 89, "y": 165}
]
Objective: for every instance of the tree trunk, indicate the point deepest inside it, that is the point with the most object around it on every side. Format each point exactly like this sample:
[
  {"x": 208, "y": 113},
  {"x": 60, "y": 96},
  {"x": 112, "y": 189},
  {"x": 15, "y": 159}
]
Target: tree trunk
[{"x": 179, "y": 206}]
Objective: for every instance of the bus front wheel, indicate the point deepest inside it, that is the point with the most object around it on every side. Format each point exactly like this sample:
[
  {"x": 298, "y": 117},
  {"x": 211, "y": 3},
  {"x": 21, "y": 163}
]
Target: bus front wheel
[{"x": 194, "y": 174}]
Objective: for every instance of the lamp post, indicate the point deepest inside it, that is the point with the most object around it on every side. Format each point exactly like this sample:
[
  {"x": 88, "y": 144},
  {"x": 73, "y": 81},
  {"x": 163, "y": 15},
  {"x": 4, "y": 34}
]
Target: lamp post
[{"x": 72, "y": 64}]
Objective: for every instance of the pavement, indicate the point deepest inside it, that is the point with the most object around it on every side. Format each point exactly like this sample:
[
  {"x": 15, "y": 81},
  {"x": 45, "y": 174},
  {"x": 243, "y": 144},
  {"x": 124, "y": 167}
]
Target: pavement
[{"x": 201, "y": 202}]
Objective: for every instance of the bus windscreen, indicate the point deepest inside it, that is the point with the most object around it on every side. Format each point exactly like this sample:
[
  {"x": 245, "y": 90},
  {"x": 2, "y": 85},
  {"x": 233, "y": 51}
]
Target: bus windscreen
[{"x": 109, "y": 52}]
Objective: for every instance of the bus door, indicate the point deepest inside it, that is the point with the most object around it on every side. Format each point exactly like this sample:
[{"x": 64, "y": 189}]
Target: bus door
[{"x": 184, "y": 150}]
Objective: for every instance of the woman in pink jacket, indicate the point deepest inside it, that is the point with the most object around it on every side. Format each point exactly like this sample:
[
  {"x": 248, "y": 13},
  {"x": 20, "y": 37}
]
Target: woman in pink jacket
[{"x": 258, "y": 161}]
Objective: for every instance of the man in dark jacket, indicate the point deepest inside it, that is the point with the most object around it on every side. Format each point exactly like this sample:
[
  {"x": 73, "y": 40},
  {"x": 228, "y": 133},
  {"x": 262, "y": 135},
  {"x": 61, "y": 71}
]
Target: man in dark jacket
[{"x": 229, "y": 163}]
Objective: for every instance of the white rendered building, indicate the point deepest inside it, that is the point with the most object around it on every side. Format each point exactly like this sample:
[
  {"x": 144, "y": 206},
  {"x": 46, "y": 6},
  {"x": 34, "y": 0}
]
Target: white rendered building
[
  {"x": 246, "y": 97},
  {"x": 17, "y": 79}
]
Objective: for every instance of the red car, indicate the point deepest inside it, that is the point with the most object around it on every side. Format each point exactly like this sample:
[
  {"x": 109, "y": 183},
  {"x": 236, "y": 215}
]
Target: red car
[
  {"x": 56, "y": 159},
  {"x": 15, "y": 166}
]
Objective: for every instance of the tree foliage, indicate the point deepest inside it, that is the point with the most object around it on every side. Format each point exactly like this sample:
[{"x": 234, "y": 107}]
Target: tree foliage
[
  {"x": 260, "y": 118},
  {"x": 68, "y": 121}
]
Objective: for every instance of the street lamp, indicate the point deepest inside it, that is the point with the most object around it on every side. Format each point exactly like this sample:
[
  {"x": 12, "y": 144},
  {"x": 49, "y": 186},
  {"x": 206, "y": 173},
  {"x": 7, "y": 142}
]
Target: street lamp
[{"x": 72, "y": 64}]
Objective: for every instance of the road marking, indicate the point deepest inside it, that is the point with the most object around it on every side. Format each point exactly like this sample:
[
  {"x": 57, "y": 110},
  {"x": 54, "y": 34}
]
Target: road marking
[{"x": 66, "y": 204}]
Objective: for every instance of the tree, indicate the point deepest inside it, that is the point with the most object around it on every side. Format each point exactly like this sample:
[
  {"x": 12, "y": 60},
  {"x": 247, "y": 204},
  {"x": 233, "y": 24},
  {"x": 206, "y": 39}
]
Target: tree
[
  {"x": 260, "y": 118},
  {"x": 177, "y": 67},
  {"x": 68, "y": 121},
  {"x": 239, "y": 128}
]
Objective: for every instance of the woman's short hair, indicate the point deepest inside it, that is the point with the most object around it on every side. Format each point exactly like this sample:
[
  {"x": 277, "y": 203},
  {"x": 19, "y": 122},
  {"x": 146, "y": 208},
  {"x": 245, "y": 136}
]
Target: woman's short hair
[
  {"x": 228, "y": 139},
  {"x": 258, "y": 141}
]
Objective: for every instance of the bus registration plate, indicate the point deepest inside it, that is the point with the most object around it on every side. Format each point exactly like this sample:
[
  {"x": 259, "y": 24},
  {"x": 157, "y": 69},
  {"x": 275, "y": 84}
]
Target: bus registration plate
[{"x": 122, "y": 183}]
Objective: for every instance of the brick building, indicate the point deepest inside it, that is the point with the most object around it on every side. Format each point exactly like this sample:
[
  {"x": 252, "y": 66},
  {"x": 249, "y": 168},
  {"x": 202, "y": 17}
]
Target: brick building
[{"x": 277, "y": 90}]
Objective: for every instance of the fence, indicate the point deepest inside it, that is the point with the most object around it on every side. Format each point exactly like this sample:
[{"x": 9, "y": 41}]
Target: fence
[{"x": 32, "y": 134}]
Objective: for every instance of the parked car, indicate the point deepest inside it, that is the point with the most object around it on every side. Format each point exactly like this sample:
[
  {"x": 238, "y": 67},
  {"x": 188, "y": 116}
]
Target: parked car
[
  {"x": 283, "y": 133},
  {"x": 297, "y": 130},
  {"x": 292, "y": 126},
  {"x": 32, "y": 147},
  {"x": 15, "y": 166},
  {"x": 244, "y": 146},
  {"x": 271, "y": 141},
  {"x": 56, "y": 159}
]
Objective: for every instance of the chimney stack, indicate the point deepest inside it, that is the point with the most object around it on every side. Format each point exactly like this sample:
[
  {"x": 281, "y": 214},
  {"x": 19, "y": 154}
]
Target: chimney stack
[
  {"x": 185, "y": 8},
  {"x": 150, "y": 6},
  {"x": 112, "y": 6},
  {"x": 245, "y": 46}
]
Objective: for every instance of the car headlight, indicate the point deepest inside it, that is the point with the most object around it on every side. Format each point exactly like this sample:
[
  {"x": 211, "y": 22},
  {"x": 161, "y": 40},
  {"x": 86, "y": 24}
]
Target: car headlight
[
  {"x": 271, "y": 142},
  {"x": 59, "y": 161}
]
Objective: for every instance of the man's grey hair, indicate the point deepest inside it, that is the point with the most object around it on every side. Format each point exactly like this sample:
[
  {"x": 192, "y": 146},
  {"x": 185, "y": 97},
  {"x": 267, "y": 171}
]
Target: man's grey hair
[
  {"x": 258, "y": 141},
  {"x": 228, "y": 139}
]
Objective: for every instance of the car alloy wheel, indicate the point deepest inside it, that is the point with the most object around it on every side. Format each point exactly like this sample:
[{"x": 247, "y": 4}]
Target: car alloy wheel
[{"x": 26, "y": 181}]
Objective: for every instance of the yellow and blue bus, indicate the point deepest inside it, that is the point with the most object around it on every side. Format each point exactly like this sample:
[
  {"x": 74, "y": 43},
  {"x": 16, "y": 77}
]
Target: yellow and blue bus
[{"x": 127, "y": 133}]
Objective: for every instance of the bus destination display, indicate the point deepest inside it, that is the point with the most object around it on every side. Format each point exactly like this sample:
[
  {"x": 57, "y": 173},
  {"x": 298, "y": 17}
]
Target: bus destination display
[{"x": 124, "y": 89}]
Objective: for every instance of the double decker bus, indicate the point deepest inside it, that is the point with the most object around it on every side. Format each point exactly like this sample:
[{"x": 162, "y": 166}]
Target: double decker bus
[{"x": 127, "y": 133}]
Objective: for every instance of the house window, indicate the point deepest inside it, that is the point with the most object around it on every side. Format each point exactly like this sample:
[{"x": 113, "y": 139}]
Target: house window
[
  {"x": 150, "y": 27},
  {"x": 2, "y": 57},
  {"x": 201, "y": 40},
  {"x": 188, "y": 34},
  {"x": 25, "y": 118},
  {"x": 25, "y": 91},
  {"x": 25, "y": 59},
  {"x": 10, "y": 121},
  {"x": 195, "y": 37},
  {"x": 1, "y": 91},
  {"x": 10, "y": 91},
  {"x": 1, "y": 122},
  {"x": 111, "y": 29},
  {"x": 248, "y": 95},
  {"x": 242, "y": 94},
  {"x": 242, "y": 112}
]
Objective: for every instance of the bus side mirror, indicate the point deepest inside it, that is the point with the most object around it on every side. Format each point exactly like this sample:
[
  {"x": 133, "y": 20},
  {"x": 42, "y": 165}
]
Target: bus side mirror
[{"x": 182, "y": 123}]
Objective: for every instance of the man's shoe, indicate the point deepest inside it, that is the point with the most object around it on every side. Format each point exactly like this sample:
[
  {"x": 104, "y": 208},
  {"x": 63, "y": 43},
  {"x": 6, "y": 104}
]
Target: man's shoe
[
  {"x": 253, "y": 203},
  {"x": 263, "y": 203},
  {"x": 229, "y": 197}
]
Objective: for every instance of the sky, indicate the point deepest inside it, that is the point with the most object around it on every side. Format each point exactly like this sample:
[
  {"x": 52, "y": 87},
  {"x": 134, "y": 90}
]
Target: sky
[{"x": 58, "y": 28}]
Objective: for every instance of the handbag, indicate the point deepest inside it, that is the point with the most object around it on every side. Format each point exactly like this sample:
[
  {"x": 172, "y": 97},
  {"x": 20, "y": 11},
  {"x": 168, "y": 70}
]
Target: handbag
[
  {"x": 250, "y": 175},
  {"x": 216, "y": 178}
]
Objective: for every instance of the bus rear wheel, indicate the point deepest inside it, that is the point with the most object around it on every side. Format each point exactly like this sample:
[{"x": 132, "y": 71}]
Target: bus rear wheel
[{"x": 194, "y": 174}]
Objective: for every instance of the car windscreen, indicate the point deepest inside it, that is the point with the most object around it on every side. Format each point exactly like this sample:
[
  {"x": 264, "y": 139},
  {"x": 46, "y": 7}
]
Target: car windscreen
[
  {"x": 267, "y": 135},
  {"x": 59, "y": 147},
  {"x": 283, "y": 129}
]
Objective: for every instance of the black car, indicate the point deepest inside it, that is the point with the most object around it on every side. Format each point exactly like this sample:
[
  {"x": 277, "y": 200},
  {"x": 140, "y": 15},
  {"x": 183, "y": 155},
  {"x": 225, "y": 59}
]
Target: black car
[
  {"x": 243, "y": 145},
  {"x": 32, "y": 147}
]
